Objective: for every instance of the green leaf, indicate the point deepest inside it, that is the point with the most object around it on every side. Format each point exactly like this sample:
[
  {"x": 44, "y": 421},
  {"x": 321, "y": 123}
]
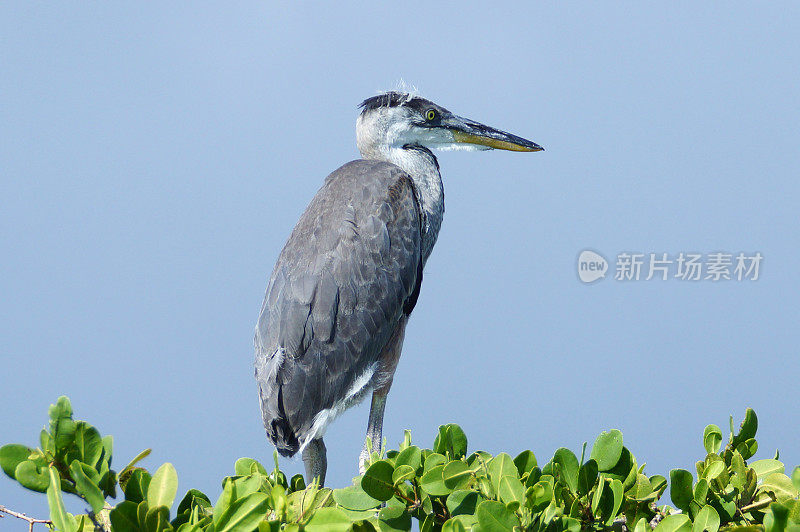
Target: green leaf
[
  {"x": 62, "y": 521},
  {"x": 135, "y": 489},
  {"x": 587, "y": 476},
  {"x": 427, "y": 524},
  {"x": 747, "y": 448},
  {"x": 625, "y": 470},
  {"x": 62, "y": 427},
  {"x": 500, "y": 466},
  {"x": 469, "y": 521},
  {"x": 355, "y": 498},
  {"x": 432, "y": 460},
  {"x": 451, "y": 441},
  {"x": 141, "y": 514},
  {"x": 748, "y": 427},
  {"x": 726, "y": 510},
  {"x": 328, "y": 520},
  {"x": 750, "y": 484},
  {"x": 533, "y": 477},
  {"x": 477, "y": 458},
  {"x": 607, "y": 449},
  {"x": 570, "y": 524},
  {"x": 458, "y": 441},
  {"x": 244, "y": 486},
  {"x": 707, "y": 520},
  {"x": 46, "y": 442},
  {"x": 675, "y": 523},
  {"x": 355, "y": 515},
  {"x": 297, "y": 483},
  {"x": 538, "y": 496},
  {"x": 86, "y": 488},
  {"x": 714, "y": 469},
  {"x": 551, "y": 512},
  {"x": 568, "y": 467},
  {"x": 456, "y": 475},
  {"x": 11, "y": 456},
  {"x": 525, "y": 462},
  {"x": 108, "y": 448},
  {"x": 641, "y": 490},
  {"x": 377, "y": 480},
  {"x": 304, "y": 503},
  {"x": 780, "y": 486},
  {"x": 712, "y": 439},
  {"x": 766, "y": 467},
  {"x": 453, "y": 525},
  {"x": 410, "y": 456},
  {"x": 163, "y": 486},
  {"x": 794, "y": 511},
  {"x": 402, "y": 473},
  {"x": 32, "y": 476},
  {"x": 796, "y": 477},
  {"x": 617, "y": 492},
  {"x": 107, "y": 482},
  {"x": 680, "y": 490},
  {"x": 247, "y": 466},
  {"x": 244, "y": 514},
  {"x": 463, "y": 502},
  {"x": 193, "y": 498},
  {"x": 433, "y": 482},
  {"x": 604, "y": 503},
  {"x": 493, "y": 516},
  {"x": 124, "y": 517},
  {"x": 157, "y": 519},
  {"x": 658, "y": 484},
  {"x": 406, "y": 440},
  {"x": 701, "y": 492},
  {"x": 394, "y": 519},
  {"x": 511, "y": 489},
  {"x": 776, "y": 518},
  {"x": 737, "y": 464},
  {"x": 441, "y": 443},
  {"x": 88, "y": 445},
  {"x": 226, "y": 499},
  {"x": 128, "y": 469}
]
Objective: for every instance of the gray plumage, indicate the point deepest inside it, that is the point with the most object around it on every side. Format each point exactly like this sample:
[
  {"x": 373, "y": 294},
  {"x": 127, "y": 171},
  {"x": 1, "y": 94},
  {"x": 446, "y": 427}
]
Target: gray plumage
[
  {"x": 332, "y": 323},
  {"x": 341, "y": 283}
]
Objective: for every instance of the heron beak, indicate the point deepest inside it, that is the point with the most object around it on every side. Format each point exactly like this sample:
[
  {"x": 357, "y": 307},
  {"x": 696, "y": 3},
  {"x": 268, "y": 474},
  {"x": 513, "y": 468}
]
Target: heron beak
[{"x": 468, "y": 131}]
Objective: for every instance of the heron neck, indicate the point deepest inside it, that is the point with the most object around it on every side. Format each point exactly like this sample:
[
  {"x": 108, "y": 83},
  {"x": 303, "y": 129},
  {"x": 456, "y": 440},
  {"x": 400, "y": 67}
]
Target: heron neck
[{"x": 420, "y": 163}]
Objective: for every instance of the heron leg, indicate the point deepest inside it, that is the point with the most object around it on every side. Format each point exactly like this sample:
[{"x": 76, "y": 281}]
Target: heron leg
[
  {"x": 389, "y": 359},
  {"x": 374, "y": 429},
  {"x": 315, "y": 460}
]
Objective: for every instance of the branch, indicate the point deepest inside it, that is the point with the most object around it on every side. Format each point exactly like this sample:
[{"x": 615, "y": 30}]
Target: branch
[
  {"x": 751, "y": 507},
  {"x": 31, "y": 521}
]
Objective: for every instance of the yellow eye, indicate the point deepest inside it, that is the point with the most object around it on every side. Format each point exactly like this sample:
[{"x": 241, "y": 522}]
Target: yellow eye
[{"x": 430, "y": 114}]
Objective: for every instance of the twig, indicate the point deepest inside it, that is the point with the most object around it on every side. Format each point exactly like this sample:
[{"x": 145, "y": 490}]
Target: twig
[
  {"x": 756, "y": 506},
  {"x": 31, "y": 521},
  {"x": 97, "y": 525},
  {"x": 657, "y": 519}
]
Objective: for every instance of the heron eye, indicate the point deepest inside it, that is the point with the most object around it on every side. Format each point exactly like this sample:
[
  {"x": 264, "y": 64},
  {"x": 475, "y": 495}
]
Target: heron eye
[{"x": 430, "y": 115}]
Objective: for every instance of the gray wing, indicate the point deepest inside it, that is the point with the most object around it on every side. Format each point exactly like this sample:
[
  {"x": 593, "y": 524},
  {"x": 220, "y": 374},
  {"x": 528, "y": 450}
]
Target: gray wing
[{"x": 350, "y": 269}]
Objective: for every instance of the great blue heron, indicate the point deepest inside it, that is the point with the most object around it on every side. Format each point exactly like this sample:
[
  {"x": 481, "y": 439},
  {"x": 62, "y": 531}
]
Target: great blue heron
[{"x": 332, "y": 323}]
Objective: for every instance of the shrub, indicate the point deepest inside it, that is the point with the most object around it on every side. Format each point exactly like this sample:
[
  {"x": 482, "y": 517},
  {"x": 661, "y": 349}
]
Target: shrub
[{"x": 444, "y": 488}]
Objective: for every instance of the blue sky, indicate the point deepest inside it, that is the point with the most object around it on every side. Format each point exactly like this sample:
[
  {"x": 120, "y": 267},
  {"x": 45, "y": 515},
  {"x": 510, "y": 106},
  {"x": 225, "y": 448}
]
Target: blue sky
[{"x": 153, "y": 159}]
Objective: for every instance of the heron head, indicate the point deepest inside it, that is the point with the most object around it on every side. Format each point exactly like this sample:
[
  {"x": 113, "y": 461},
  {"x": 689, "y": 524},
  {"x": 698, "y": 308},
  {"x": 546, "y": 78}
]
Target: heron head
[{"x": 396, "y": 120}]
